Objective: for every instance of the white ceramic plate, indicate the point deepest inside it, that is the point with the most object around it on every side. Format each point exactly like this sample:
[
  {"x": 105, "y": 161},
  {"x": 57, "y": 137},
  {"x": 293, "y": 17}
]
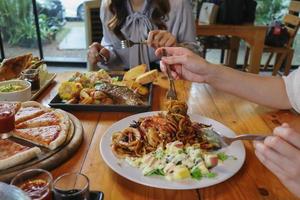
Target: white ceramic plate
[{"x": 224, "y": 170}]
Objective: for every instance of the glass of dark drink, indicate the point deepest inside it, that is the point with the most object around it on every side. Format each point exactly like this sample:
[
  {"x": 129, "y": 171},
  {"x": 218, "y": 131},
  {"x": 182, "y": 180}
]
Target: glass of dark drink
[
  {"x": 32, "y": 75},
  {"x": 71, "y": 186},
  {"x": 36, "y": 183}
]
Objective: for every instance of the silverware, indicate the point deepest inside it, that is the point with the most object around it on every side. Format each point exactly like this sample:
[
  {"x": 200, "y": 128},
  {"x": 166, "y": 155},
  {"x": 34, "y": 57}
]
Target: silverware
[
  {"x": 128, "y": 43},
  {"x": 225, "y": 141},
  {"x": 105, "y": 60},
  {"x": 171, "y": 93}
]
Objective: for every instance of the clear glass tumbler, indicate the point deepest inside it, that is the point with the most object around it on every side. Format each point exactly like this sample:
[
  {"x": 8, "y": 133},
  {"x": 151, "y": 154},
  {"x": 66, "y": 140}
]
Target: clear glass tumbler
[{"x": 71, "y": 186}]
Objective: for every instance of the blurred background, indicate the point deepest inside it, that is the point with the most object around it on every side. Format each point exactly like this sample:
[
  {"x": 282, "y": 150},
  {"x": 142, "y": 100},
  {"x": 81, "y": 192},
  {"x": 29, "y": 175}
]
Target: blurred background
[{"x": 62, "y": 28}]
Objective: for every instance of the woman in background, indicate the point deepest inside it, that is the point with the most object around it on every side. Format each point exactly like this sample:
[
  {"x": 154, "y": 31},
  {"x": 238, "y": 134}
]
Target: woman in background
[
  {"x": 160, "y": 22},
  {"x": 280, "y": 153}
]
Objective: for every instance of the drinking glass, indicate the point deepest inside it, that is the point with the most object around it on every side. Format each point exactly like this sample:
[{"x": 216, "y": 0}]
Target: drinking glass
[
  {"x": 32, "y": 75},
  {"x": 71, "y": 186},
  {"x": 37, "y": 183}
]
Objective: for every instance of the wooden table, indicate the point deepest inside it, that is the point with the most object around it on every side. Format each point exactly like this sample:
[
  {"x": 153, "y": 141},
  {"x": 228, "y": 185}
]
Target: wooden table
[
  {"x": 252, "y": 182},
  {"x": 253, "y": 35}
]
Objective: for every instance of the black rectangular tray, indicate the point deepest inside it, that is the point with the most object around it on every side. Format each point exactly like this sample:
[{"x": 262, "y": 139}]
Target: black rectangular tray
[{"x": 56, "y": 102}]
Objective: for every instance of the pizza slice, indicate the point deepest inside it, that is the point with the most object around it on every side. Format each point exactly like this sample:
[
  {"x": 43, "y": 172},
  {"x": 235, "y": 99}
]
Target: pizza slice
[
  {"x": 46, "y": 119},
  {"x": 12, "y": 153},
  {"x": 48, "y": 136},
  {"x": 29, "y": 110}
]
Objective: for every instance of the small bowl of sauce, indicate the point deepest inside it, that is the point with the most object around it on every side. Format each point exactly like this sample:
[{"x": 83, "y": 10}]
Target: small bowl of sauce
[
  {"x": 7, "y": 118},
  {"x": 36, "y": 183}
]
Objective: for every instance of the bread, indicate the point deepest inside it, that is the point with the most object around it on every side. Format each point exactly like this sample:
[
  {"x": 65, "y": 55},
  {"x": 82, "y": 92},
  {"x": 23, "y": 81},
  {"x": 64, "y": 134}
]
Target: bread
[
  {"x": 147, "y": 77},
  {"x": 133, "y": 73},
  {"x": 12, "y": 67}
]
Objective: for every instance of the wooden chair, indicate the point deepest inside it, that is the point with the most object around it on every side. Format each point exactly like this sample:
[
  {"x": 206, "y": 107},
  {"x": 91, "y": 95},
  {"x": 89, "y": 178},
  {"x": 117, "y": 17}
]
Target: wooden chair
[
  {"x": 286, "y": 53},
  {"x": 93, "y": 25}
]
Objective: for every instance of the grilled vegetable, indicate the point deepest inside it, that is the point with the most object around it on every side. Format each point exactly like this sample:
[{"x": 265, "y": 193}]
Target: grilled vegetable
[
  {"x": 120, "y": 94},
  {"x": 69, "y": 90}
]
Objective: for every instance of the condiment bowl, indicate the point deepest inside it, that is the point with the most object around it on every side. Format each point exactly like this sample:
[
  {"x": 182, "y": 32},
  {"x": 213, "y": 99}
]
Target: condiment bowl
[{"x": 23, "y": 94}]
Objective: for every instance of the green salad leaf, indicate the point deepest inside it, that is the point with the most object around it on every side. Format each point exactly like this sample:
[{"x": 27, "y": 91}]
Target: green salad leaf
[
  {"x": 196, "y": 174},
  {"x": 211, "y": 175},
  {"x": 158, "y": 172},
  {"x": 222, "y": 156}
]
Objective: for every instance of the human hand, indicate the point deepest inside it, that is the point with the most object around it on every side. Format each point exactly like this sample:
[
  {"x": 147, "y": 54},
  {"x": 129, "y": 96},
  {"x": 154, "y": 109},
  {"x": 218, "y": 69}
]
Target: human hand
[
  {"x": 280, "y": 153},
  {"x": 161, "y": 38},
  {"x": 93, "y": 54},
  {"x": 184, "y": 64}
]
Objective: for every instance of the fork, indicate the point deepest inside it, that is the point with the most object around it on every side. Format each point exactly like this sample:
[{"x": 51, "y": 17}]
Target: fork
[
  {"x": 225, "y": 141},
  {"x": 129, "y": 43},
  {"x": 171, "y": 93}
]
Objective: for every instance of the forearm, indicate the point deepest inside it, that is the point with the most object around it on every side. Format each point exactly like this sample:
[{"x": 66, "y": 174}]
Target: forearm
[{"x": 268, "y": 91}]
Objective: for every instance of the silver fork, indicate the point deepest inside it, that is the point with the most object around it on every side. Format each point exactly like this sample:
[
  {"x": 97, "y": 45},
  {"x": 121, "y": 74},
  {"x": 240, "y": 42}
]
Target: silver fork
[
  {"x": 171, "y": 93},
  {"x": 129, "y": 43},
  {"x": 225, "y": 141}
]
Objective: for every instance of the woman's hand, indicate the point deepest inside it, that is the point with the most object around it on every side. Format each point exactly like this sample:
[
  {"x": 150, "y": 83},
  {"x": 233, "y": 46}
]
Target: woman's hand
[
  {"x": 93, "y": 54},
  {"x": 161, "y": 38},
  {"x": 280, "y": 153},
  {"x": 184, "y": 64}
]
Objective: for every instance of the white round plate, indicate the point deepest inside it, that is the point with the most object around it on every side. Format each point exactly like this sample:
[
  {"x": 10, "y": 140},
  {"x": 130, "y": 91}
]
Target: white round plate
[{"x": 224, "y": 170}]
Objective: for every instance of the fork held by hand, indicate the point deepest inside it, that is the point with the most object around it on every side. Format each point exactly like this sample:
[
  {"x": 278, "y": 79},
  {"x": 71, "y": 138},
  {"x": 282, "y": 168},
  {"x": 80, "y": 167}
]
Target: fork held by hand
[
  {"x": 171, "y": 93},
  {"x": 129, "y": 43}
]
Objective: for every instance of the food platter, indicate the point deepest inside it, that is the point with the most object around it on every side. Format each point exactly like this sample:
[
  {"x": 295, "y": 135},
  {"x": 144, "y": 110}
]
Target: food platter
[
  {"x": 83, "y": 85},
  {"x": 49, "y": 159},
  {"x": 56, "y": 102},
  {"x": 225, "y": 170}
]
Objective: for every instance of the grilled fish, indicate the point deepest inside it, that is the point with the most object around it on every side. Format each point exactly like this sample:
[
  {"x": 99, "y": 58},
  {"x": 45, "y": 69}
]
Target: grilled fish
[{"x": 120, "y": 94}]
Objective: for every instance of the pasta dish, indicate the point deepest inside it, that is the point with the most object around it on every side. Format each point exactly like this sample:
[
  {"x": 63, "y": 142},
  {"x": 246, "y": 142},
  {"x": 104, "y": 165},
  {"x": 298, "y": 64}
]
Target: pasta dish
[{"x": 168, "y": 144}]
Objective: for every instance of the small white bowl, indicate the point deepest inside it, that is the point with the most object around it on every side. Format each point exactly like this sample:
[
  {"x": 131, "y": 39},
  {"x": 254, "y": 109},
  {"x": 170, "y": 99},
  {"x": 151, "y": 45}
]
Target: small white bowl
[{"x": 21, "y": 95}]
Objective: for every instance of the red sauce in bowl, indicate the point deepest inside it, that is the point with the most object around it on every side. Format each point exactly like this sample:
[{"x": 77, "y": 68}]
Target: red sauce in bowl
[
  {"x": 37, "y": 189},
  {"x": 7, "y": 119}
]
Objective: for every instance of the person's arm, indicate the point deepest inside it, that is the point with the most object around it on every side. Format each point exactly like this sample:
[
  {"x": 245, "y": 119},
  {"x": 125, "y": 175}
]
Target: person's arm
[
  {"x": 268, "y": 91},
  {"x": 106, "y": 41}
]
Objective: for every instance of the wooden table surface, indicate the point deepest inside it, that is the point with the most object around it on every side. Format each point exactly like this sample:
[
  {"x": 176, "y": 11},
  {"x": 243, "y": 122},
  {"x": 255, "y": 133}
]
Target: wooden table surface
[
  {"x": 252, "y": 182},
  {"x": 253, "y": 35}
]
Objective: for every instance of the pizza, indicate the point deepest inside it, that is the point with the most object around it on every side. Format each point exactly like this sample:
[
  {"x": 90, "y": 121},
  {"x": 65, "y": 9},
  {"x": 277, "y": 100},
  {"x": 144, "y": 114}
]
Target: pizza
[
  {"x": 47, "y": 119},
  {"x": 37, "y": 124},
  {"x": 29, "y": 110},
  {"x": 41, "y": 126},
  {"x": 12, "y": 153}
]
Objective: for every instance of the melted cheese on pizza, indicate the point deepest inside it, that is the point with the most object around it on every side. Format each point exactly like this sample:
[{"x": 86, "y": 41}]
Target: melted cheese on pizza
[
  {"x": 28, "y": 113},
  {"x": 46, "y": 119},
  {"x": 9, "y": 148},
  {"x": 40, "y": 135}
]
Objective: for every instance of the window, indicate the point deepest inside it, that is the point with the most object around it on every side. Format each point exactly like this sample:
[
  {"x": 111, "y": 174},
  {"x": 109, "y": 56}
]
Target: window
[
  {"x": 61, "y": 29},
  {"x": 18, "y": 28}
]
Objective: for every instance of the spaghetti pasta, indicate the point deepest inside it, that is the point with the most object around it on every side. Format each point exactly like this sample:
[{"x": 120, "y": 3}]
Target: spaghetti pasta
[{"x": 150, "y": 133}]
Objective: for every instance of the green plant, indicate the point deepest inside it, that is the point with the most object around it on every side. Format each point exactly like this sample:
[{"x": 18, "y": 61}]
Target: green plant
[
  {"x": 269, "y": 10},
  {"x": 17, "y": 23}
]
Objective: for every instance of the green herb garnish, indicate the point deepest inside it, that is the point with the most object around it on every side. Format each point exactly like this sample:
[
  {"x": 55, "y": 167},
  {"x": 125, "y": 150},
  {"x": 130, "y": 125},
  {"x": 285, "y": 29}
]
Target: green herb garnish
[
  {"x": 196, "y": 174},
  {"x": 158, "y": 172},
  {"x": 222, "y": 156},
  {"x": 211, "y": 175}
]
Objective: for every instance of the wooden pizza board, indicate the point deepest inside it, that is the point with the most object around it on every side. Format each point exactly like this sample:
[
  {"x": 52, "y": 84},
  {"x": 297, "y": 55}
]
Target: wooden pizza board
[{"x": 49, "y": 159}]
